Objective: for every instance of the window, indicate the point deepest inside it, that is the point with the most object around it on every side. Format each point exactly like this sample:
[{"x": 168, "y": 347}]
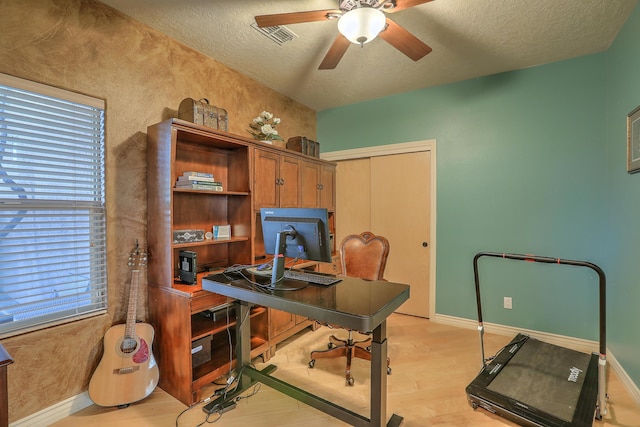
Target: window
[{"x": 52, "y": 215}]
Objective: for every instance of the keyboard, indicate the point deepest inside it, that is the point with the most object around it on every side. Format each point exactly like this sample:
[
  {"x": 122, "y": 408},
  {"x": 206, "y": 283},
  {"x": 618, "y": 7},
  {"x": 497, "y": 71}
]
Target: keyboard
[{"x": 316, "y": 279}]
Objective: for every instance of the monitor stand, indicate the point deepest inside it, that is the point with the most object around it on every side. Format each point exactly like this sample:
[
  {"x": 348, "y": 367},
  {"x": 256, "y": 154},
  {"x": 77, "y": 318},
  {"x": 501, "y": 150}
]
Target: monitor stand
[{"x": 277, "y": 273}]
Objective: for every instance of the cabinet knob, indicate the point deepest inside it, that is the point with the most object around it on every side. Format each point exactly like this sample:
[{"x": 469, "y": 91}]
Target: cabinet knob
[{"x": 425, "y": 244}]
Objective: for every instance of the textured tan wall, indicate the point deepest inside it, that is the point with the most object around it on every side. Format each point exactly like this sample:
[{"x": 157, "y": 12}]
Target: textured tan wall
[{"x": 84, "y": 46}]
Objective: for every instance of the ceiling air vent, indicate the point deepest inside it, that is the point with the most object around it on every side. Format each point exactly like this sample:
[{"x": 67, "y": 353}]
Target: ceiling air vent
[{"x": 279, "y": 34}]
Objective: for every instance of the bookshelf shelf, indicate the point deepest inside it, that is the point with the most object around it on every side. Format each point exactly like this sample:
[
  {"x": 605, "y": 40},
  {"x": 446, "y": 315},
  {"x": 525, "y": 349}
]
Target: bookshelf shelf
[
  {"x": 210, "y": 192},
  {"x": 211, "y": 242}
]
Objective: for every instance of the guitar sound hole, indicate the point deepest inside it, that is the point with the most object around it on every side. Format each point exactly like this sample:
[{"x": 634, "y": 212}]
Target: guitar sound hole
[{"x": 128, "y": 346}]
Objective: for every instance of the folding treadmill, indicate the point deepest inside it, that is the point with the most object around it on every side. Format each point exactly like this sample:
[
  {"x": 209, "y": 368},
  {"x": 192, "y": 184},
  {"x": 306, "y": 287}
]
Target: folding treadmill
[{"x": 533, "y": 383}]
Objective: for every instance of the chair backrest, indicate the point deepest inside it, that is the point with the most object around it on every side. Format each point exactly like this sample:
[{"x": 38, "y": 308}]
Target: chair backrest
[{"x": 364, "y": 255}]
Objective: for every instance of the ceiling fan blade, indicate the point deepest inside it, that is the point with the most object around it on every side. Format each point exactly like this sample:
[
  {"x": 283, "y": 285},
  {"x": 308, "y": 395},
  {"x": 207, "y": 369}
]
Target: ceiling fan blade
[
  {"x": 404, "y": 41},
  {"x": 335, "y": 53},
  {"x": 295, "y": 17},
  {"x": 405, "y": 4}
]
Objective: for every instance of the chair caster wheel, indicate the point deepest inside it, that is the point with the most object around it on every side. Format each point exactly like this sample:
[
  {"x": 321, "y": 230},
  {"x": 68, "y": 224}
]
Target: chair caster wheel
[
  {"x": 388, "y": 370},
  {"x": 350, "y": 381},
  {"x": 312, "y": 363}
]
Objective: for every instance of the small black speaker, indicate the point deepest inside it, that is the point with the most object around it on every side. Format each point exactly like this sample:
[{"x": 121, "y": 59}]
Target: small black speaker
[{"x": 187, "y": 267}]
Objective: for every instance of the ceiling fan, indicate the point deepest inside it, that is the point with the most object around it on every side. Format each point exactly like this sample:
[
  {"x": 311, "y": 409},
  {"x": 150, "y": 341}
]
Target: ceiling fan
[{"x": 359, "y": 22}]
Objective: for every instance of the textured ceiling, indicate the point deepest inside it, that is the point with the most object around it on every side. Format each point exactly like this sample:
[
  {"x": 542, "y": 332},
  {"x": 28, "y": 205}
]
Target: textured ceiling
[{"x": 470, "y": 38}]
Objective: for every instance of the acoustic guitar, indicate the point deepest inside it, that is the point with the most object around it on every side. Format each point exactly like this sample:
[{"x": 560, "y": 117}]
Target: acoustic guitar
[{"x": 127, "y": 371}]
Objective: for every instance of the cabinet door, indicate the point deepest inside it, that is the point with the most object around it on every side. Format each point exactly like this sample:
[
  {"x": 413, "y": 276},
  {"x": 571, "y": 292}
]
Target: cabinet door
[
  {"x": 280, "y": 321},
  {"x": 327, "y": 187},
  {"x": 309, "y": 185},
  {"x": 265, "y": 179},
  {"x": 317, "y": 186},
  {"x": 289, "y": 184}
]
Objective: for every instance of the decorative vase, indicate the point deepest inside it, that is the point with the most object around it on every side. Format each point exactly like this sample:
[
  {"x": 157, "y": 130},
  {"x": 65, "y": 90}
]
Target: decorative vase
[{"x": 266, "y": 142}]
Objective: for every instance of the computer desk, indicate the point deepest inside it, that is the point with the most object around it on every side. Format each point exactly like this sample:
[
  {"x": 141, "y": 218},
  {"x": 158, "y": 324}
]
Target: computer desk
[{"x": 353, "y": 303}]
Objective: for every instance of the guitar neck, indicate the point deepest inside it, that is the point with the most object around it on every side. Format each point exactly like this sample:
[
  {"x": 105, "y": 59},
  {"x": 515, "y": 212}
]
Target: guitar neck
[{"x": 130, "y": 328}]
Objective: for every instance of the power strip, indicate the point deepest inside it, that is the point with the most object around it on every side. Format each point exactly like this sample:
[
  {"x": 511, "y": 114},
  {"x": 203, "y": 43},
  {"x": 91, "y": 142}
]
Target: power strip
[{"x": 219, "y": 408}]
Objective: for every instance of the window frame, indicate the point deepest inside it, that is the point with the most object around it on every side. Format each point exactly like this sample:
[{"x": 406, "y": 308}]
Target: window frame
[{"x": 81, "y": 198}]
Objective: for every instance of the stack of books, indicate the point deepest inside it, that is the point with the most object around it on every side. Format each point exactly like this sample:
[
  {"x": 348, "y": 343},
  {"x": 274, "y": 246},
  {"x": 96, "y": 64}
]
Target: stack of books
[{"x": 198, "y": 181}]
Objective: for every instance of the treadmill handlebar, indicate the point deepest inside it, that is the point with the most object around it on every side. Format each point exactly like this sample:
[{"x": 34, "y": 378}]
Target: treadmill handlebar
[{"x": 548, "y": 260}]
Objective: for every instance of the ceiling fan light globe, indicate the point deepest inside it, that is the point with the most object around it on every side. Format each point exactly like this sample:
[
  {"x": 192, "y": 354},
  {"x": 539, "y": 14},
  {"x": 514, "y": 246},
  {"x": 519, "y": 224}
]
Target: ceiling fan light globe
[{"x": 362, "y": 24}]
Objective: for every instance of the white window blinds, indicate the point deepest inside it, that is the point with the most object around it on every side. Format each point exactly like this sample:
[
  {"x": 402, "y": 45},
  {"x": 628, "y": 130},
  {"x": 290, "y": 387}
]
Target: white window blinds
[{"x": 52, "y": 216}]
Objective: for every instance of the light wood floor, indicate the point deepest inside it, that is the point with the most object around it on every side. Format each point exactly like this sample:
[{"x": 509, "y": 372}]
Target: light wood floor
[{"x": 432, "y": 364}]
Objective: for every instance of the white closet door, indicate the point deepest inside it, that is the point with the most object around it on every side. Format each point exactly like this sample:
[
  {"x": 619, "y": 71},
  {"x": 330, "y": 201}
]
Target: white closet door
[
  {"x": 390, "y": 195},
  {"x": 400, "y": 209}
]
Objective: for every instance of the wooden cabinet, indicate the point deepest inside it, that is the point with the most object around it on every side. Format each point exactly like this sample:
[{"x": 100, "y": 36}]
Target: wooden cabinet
[
  {"x": 252, "y": 176},
  {"x": 318, "y": 185},
  {"x": 182, "y": 321},
  {"x": 291, "y": 181},
  {"x": 282, "y": 325},
  {"x": 284, "y": 179},
  {"x": 182, "y": 313},
  {"x": 276, "y": 179}
]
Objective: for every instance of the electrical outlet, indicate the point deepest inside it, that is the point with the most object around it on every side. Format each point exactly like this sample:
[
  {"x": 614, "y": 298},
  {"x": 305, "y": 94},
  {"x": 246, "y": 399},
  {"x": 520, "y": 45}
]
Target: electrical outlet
[{"x": 508, "y": 303}]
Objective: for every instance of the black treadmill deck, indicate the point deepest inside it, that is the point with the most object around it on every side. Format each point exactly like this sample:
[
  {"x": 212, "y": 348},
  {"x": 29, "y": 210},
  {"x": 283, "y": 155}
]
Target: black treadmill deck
[{"x": 538, "y": 384}]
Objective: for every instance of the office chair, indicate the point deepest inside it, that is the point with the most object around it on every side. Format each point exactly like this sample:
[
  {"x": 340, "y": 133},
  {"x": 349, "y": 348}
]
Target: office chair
[{"x": 363, "y": 256}]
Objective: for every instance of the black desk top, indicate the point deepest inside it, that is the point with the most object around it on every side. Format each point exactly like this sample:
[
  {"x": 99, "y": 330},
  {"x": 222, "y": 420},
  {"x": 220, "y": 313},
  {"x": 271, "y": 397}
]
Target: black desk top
[{"x": 351, "y": 303}]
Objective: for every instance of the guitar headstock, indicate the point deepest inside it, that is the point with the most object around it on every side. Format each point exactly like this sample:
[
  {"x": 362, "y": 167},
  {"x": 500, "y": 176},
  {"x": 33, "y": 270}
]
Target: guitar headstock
[{"x": 137, "y": 257}]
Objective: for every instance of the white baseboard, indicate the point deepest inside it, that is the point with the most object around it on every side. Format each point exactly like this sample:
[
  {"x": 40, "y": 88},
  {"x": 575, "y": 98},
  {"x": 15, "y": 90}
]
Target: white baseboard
[
  {"x": 626, "y": 380},
  {"x": 55, "y": 412},
  {"x": 577, "y": 344}
]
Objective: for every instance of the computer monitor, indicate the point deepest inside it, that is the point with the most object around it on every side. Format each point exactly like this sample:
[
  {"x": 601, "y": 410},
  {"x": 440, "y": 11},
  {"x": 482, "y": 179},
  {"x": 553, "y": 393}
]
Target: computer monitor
[{"x": 301, "y": 233}]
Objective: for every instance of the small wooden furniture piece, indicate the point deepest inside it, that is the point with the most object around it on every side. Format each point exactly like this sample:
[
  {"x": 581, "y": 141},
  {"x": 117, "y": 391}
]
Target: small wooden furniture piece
[
  {"x": 5, "y": 360},
  {"x": 363, "y": 256}
]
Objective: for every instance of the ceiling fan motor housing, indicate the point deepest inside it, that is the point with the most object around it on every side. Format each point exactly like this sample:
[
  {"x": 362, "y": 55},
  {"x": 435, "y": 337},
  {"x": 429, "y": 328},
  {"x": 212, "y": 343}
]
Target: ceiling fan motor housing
[{"x": 347, "y": 5}]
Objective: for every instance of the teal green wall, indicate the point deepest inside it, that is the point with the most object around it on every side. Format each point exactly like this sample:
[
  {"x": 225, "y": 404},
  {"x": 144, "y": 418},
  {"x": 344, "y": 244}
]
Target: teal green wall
[
  {"x": 623, "y": 199},
  {"x": 530, "y": 161}
]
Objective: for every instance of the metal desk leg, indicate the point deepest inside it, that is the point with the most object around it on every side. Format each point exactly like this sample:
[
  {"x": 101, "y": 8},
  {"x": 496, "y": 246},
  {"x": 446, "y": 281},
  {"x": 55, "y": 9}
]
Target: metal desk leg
[
  {"x": 243, "y": 337},
  {"x": 379, "y": 379}
]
